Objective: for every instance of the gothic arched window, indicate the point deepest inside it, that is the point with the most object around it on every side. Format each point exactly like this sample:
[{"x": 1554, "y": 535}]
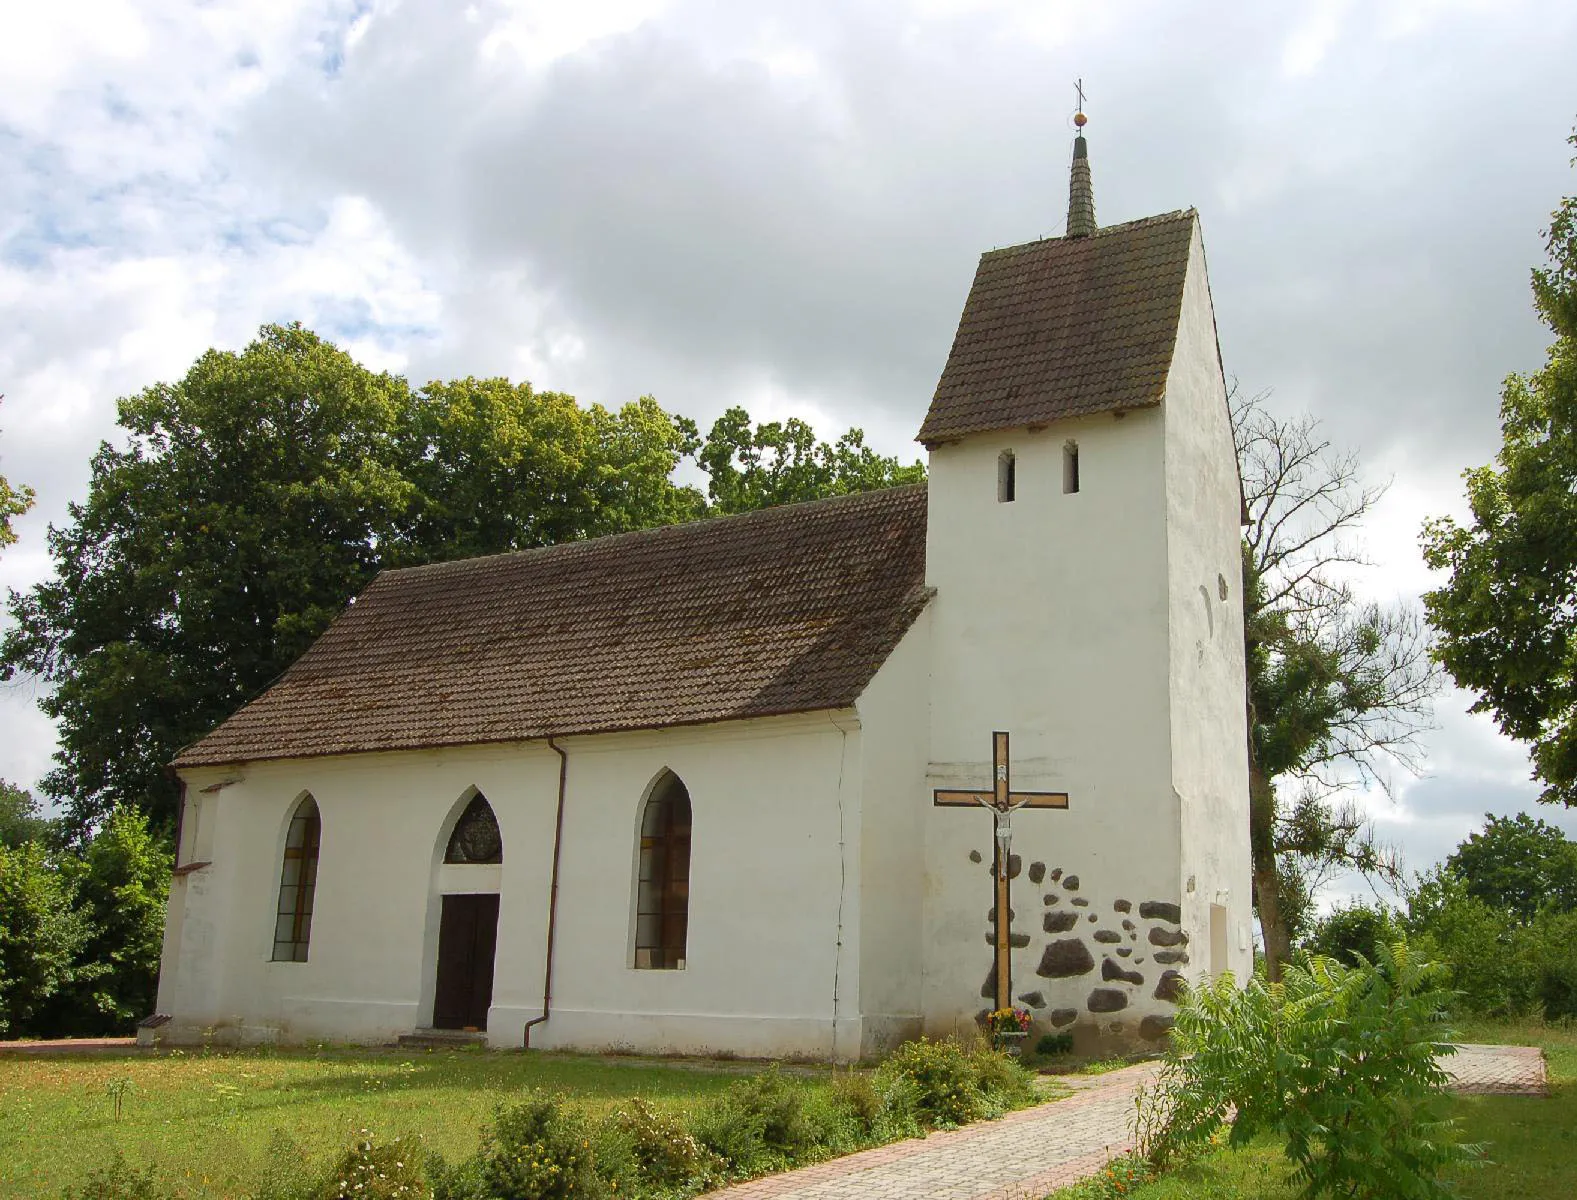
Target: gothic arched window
[
  {"x": 476, "y": 838},
  {"x": 662, "y": 887},
  {"x": 298, "y": 883}
]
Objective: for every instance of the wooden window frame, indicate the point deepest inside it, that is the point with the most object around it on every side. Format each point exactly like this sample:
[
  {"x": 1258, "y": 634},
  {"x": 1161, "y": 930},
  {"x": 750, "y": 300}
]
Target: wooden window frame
[
  {"x": 297, "y": 898},
  {"x": 662, "y": 878}
]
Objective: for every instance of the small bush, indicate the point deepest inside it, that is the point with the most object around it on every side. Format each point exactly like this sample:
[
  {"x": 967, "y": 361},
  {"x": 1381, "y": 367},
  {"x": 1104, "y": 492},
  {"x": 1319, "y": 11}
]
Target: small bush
[
  {"x": 118, "y": 1181},
  {"x": 1051, "y": 1044},
  {"x": 370, "y": 1171},
  {"x": 1338, "y": 1061},
  {"x": 758, "y": 1124},
  {"x": 540, "y": 1149},
  {"x": 663, "y": 1149},
  {"x": 855, "y": 1092},
  {"x": 953, "y": 1085}
]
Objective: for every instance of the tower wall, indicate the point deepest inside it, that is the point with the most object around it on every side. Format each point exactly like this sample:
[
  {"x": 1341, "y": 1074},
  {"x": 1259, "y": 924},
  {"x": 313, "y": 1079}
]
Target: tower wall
[{"x": 1051, "y": 621}]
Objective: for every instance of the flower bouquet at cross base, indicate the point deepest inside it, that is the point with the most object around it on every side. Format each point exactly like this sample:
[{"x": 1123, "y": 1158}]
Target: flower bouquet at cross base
[{"x": 1008, "y": 1025}]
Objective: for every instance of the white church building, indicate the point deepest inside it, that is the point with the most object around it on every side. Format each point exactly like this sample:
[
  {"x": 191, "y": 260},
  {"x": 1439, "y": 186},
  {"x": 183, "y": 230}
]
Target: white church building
[{"x": 713, "y": 787}]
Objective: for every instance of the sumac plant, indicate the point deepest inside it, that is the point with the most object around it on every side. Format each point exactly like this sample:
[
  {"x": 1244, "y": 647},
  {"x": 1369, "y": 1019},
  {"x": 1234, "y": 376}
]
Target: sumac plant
[{"x": 1341, "y": 1063}]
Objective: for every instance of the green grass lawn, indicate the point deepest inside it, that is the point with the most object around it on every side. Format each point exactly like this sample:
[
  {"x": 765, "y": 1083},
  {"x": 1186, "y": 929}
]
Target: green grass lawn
[
  {"x": 204, "y": 1121},
  {"x": 1531, "y": 1143}
]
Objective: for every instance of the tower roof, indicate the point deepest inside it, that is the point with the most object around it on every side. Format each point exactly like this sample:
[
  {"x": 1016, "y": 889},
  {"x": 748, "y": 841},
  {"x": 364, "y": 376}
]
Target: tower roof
[
  {"x": 1081, "y": 192},
  {"x": 1063, "y": 327}
]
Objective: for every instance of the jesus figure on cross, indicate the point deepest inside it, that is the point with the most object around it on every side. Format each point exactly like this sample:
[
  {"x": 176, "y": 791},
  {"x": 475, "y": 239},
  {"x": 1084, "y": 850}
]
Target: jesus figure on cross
[{"x": 1003, "y": 801}]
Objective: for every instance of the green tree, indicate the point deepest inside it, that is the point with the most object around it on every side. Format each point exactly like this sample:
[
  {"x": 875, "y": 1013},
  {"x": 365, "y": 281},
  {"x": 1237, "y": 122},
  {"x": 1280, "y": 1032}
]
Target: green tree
[
  {"x": 14, "y": 501},
  {"x": 1353, "y": 931},
  {"x": 41, "y": 936},
  {"x": 499, "y": 466},
  {"x": 759, "y": 466},
  {"x": 1518, "y": 865},
  {"x": 1507, "y": 615},
  {"x": 20, "y": 822},
  {"x": 121, "y": 883},
  {"x": 251, "y": 499},
  {"x": 1338, "y": 689}
]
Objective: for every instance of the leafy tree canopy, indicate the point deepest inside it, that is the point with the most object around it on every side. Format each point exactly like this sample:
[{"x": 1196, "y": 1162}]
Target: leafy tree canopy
[
  {"x": 255, "y": 497},
  {"x": 1507, "y": 616},
  {"x": 20, "y": 821},
  {"x": 14, "y": 501},
  {"x": 41, "y": 935},
  {"x": 782, "y": 462},
  {"x": 1519, "y": 865}
]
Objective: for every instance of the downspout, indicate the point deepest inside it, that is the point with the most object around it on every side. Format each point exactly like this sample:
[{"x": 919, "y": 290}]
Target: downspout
[{"x": 553, "y": 898}]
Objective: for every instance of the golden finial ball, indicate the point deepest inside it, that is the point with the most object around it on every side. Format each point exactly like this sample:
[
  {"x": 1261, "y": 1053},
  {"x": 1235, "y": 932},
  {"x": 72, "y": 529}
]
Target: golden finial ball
[{"x": 1079, "y": 119}]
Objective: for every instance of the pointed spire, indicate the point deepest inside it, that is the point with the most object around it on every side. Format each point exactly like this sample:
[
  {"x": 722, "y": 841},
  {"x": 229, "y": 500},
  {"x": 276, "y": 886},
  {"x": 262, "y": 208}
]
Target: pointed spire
[{"x": 1081, "y": 189}]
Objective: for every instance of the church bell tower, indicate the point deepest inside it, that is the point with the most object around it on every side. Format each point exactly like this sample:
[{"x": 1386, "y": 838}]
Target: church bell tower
[{"x": 1083, "y": 547}]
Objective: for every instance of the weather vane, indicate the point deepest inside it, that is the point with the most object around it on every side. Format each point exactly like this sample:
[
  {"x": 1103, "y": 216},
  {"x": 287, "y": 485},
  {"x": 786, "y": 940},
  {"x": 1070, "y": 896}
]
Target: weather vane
[{"x": 1078, "y": 115}]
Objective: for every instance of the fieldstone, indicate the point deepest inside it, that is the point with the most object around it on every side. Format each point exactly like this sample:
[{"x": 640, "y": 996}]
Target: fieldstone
[
  {"x": 1168, "y": 937},
  {"x": 1105, "y": 1000},
  {"x": 1160, "y": 910},
  {"x": 1060, "y": 922},
  {"x": 1093, "y": 918},
  {"x": 974, "y": 856},
  {"x": 1128, "y": 925},
  {"x": 1033, "y": 999},
  {"x": 1111, "y": 971},
  {"x": 1170, "y": 987},
  {"x": 1172, "y": 956},
  {"x": 1071, "y": 883},
  {"x": 1124, "y": 951},
  {"x": 1063, "y": 1016},
  {"x": 1064, "y": 958},
  {"x": 1016, "y": 940},
  {"x": 1109, "y": 936},
  {"x": 1153, "y": 1029},
  {"x": 1055, "y": 875},
  {"x": 991, "y": 915},
  {"x": 1123, "y": 905},
  {"x": 1037, "y": 872},
  {"x": 1014, "y": 863},
  {"x": 1051, "y": 898},
  {"x": 988, "y": 989},
  {"x": 1081, "y": 902}
]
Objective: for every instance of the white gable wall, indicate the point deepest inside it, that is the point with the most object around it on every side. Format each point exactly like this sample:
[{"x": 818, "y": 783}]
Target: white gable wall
[{"x": 1209, "y": 724}]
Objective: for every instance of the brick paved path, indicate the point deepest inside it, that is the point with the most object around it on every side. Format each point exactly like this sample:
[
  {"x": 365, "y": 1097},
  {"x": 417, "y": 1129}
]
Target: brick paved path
[
  {"x": 1497, "y": 1071},
  {"x": 1020, "y": 1157},
  {"x": 1029, "y": 1153}
]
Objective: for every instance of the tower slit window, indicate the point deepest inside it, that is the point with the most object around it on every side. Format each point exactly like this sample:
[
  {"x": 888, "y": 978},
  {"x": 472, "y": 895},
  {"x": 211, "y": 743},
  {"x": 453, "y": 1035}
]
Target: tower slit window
[
  {"x": 662, "y": 889},
  {"x": 1070, "y": 467},
  {"x": 1007, "y": 477}
]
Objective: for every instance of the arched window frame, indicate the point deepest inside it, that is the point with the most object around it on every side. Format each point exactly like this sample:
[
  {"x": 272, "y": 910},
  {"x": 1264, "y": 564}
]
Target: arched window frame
[
  {"x": 662, "y": 876},
  {"x": 298, "y": 882},
  {"x": 475, "y": 839}
]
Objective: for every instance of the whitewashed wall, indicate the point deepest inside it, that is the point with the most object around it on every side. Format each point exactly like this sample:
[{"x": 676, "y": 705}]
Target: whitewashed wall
[
  {"x": 1209, "y": 725},
  {"x": 775, "y": 851},
  {"x": 1051, "y": 622}
]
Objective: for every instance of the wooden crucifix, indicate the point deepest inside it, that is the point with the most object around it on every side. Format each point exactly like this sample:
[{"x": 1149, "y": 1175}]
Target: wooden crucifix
[{"x": 1002, "y": 800}]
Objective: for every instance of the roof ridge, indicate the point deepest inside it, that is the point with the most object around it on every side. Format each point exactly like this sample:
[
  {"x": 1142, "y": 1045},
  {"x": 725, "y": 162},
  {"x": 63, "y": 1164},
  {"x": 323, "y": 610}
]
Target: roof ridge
[
  {"x": 606, "y": 539},
  {"x": 1102, "y": 230}
]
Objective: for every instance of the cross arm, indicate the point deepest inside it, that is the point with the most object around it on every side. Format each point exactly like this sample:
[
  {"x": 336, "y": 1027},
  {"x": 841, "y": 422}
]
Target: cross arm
[{"x": 948, "y": 798}]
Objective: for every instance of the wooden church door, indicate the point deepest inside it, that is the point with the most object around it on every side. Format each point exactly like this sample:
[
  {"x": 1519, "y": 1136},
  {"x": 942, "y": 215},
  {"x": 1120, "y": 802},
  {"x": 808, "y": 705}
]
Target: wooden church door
[{"x": 467, "y": 937}]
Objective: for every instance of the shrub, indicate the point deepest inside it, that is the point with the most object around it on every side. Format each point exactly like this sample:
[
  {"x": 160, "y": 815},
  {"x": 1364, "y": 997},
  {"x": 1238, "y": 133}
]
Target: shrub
[
  {"x": 1340, "y": 1062},
  {"x": 855, "y": 1092},
  {"x": 538, "y": 1149},
  {"x": 370, "y": 1171},
  {"x": 663, "y": 1148},
  {"x": 280, "y": 1176},
  {"x": 1054, "y": 1043},
  {"x": 1354, "y": 933},
  {"x": 118, "y": 1181},
  {"x": 953, "y": 1085},
  {"x": 758, "y": 1124}
]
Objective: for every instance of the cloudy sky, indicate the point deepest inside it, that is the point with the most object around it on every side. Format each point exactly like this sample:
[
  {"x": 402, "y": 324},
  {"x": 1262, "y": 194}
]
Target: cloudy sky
[{"x": 780, "y": 204}]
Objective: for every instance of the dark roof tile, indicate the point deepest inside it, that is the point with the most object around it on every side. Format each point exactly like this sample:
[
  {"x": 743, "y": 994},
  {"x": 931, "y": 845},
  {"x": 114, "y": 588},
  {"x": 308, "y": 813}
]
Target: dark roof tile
[
  {"x": 1063, "y": 327},
  {"x": 786, "y": 610}
]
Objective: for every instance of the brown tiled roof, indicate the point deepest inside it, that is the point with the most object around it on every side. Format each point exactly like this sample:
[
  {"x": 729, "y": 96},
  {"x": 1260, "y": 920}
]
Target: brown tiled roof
[
  {"x": 786, "y": 610},
  {"x": 1063, "y": 327}
]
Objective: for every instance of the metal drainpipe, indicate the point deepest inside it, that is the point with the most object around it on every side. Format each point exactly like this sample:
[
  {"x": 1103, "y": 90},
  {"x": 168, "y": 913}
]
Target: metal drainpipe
[{"x": 553, "y": 897}]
